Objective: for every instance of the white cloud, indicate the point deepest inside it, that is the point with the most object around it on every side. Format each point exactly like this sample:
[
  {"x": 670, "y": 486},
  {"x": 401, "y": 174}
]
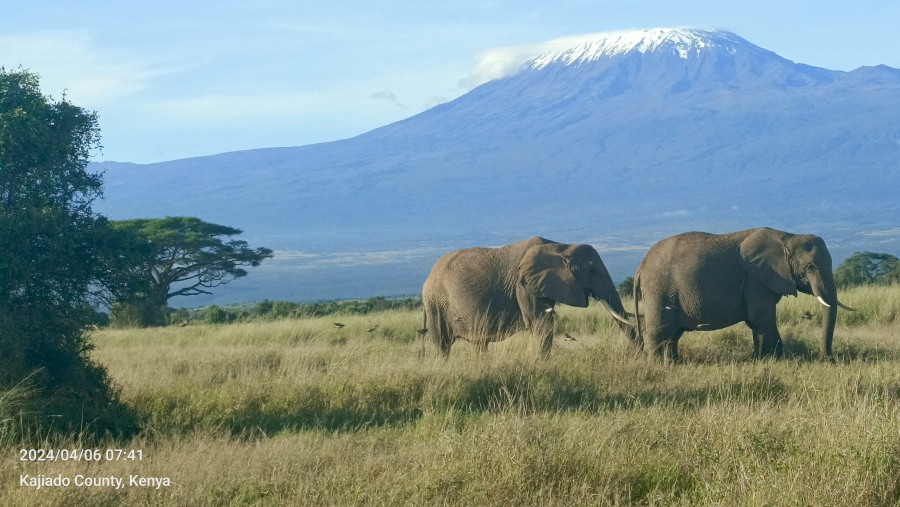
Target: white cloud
[
  {"x": 73, "y": 62},
  {"x": 882, "y": 233},
  {"x": 505, "y": 61},
  {"x": 675, "y": 213},
  {"x": 388, "y": 96},
  {"x": 497, "y": 63},
  {"x": 240, "y": 106}
]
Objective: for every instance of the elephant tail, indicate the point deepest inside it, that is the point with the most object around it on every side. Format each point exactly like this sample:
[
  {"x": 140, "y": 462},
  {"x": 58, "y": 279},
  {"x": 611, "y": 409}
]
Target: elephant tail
[{"x": 423, "y": 331}]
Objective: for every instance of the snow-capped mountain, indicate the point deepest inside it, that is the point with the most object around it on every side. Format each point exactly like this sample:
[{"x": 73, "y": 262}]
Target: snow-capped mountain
[
  {"x": 681, "y": 42},
  {"x": 615, "y": 139}
]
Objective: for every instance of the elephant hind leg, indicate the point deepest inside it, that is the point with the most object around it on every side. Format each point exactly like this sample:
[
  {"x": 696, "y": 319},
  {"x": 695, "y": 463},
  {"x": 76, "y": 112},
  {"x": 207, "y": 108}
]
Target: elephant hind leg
[
  {"x": 440, "y": 331},
  {"x": 672, "y": 354},
  {"x": 660, "y": 343}
]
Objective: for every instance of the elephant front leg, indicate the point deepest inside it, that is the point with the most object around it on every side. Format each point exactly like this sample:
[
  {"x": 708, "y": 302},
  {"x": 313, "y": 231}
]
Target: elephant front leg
[
  {"x": 543, "y": 332},
  {"x": 766, "y": 338},
  {"x": 538, "y": 317},
  {"x": 767, "y": 343}
]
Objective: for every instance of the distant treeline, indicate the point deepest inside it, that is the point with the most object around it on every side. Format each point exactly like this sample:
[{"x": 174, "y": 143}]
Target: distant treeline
[{"x": 271, "y": 310}]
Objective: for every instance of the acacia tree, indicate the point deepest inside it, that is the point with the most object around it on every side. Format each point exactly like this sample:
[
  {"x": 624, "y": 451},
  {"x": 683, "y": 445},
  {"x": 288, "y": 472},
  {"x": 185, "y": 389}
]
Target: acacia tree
[
  {"x": 48, "y": 250},
  {"x": 182, "y": 256}
]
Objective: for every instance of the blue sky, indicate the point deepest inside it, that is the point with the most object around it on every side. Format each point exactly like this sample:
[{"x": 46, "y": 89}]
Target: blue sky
[{"x": 173, "y": 79}]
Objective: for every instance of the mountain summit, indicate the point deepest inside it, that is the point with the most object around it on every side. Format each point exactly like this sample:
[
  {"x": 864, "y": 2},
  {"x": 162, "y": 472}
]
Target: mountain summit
[
  {"x": 616, "y": 139},
  {"x": 680, "y": 42},
  {"x": 584, "y": 50}
]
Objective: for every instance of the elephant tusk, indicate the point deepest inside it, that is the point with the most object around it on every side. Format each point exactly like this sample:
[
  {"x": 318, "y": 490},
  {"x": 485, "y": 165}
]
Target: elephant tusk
[
  {"x": 615, "y": 314},
  {"x": 823, "y": 301},
  {"x": 845, "y": 307}
]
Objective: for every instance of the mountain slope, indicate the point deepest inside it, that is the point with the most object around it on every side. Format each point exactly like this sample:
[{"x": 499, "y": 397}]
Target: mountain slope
[{"x": 615, "y": 139}]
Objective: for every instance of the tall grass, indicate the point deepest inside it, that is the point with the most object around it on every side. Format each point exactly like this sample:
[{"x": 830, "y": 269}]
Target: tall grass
[{"x": 301, "y": 412}]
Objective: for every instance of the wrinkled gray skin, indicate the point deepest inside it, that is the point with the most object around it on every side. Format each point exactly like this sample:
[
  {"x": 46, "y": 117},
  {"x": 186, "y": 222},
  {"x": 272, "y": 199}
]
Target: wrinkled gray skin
[
  {"x": 486, "y": 294},
  {"x": 701, "y": 282}
]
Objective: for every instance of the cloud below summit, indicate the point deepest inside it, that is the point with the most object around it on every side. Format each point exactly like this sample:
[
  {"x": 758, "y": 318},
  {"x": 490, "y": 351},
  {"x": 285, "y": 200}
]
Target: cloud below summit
[
  {"x": 496, "y": 64},
  {"x": 389, "y": 97}
]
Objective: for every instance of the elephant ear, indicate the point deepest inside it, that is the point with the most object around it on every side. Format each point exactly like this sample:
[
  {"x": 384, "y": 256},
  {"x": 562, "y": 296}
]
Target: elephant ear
[
  {"x": 545, "y": 273},
  {"x": 764, "y": 257}
]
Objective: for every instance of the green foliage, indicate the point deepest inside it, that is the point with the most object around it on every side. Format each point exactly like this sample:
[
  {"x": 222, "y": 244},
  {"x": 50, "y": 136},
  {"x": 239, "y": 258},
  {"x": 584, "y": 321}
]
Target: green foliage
[
  {"x": 626, "y": 287},
  {"x": 177, "y": 256},
  {"x": 216, "y": 315},
  {"x": 50, "y": 239},
  {"x": 867, "y": 268}
]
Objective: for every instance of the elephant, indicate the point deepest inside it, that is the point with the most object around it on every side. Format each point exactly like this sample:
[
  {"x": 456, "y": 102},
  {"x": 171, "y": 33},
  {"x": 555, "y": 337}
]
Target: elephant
[
  {"x": 698, "y": 281},
  {"x": 486, "y": 294}
]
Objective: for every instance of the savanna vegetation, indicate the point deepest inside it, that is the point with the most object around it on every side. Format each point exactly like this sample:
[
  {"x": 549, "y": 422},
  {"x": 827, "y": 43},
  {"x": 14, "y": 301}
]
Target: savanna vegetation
[{"x": 297, "y": 411}]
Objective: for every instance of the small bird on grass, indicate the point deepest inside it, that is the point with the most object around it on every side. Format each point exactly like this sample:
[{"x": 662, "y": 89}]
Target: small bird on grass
[
  {"x": 373, "y": 328},
  {"x": 569, "y": 338},
  {"x": 338, "y": 325}
]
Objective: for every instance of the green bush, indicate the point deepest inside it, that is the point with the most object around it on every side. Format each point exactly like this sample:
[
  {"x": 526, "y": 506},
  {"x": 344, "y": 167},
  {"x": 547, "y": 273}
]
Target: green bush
[
  {"x": 51, "y": 242},
  {"x": 626, "y": 288},
  {"x": 216, "y": 315}
]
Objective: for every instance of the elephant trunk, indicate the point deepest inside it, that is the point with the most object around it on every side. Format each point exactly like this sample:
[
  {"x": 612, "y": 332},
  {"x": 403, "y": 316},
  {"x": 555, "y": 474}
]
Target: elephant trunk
[
  {"x": 605, "y": 291},
  {"x": 823, "y": 287}
]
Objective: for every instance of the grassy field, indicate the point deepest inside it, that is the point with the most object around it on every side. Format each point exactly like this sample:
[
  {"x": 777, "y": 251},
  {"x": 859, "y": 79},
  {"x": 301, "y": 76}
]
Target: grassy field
[{"x": 297, "y": 412}]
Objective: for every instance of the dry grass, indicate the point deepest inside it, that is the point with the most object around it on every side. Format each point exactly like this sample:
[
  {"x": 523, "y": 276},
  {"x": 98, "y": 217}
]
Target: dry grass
[{"x": 299, "y": 412}]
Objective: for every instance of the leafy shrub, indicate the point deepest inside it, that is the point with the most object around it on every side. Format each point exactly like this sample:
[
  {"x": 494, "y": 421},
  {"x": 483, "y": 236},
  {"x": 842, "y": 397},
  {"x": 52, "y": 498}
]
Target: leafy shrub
[
  {"x": 216, "y": 315},
  {"x": 626, "y": 287},
  {"x": 51, "y": 240}
]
